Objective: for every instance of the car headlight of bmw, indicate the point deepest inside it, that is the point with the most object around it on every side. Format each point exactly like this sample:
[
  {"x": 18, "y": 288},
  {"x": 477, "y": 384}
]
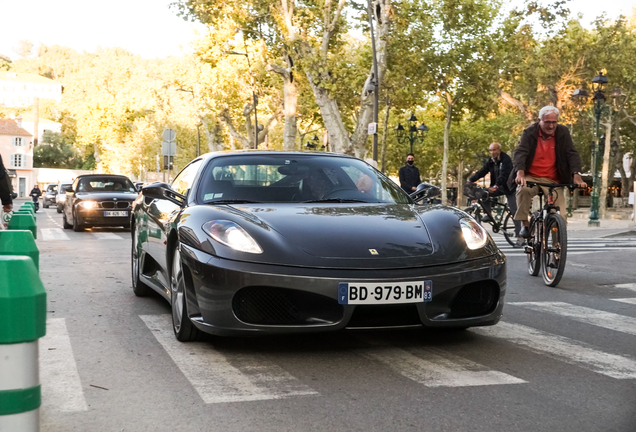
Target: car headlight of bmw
[
  {"x": 232, "y": 235},
  {"x": 474, "y": 234},
  {"x": 87, "y": 205}
]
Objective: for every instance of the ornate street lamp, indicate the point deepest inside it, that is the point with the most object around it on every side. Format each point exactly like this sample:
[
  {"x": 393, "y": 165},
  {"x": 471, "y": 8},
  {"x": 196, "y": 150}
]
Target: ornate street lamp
[
  {"x": 598, "y": 83},
  {"x": 415, "y": 133}
]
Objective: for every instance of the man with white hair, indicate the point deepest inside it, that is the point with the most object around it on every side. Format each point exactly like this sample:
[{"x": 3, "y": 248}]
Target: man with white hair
[{"x": 545, "y": 154}]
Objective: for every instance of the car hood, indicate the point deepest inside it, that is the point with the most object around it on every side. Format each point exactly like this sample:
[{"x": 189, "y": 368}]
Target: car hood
[
  {"x": 351, "y": 236},
  {"x": 349, "y": 231},
  {"x": 106, "y": 196}
]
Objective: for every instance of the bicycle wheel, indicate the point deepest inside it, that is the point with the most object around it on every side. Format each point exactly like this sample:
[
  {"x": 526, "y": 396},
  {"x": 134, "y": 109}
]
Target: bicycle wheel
[
  {"x": 533, "y": 249},
  {"x": 555, "y": 246},
  {"x": 508, "y": 229}
]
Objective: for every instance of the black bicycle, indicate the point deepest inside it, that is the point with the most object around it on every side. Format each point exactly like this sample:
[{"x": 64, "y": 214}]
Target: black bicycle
[
  {"x": 501, "y": 219},
  {"x": 547, "y": 246}
]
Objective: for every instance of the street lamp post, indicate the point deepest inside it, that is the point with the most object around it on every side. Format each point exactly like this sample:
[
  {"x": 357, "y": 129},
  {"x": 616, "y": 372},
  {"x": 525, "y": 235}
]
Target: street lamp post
[{"x": 415, "y": 134}]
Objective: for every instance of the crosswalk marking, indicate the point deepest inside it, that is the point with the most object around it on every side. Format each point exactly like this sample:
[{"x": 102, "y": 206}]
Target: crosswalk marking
[
  {"x": 49, "y": 234},
  {"x": 585, "y": 315},
  {"x": 215, "y": 379},
  {"x": 626, "y": 300},
  {"x": 564, "y": 349},
  {"x": 436, "y": 368},
  {"x": 627, "y": 286},
  {"x": 61, "y": 385},
  {"x": 576, "y": 246},
  {"x": 106, "y": 236}
]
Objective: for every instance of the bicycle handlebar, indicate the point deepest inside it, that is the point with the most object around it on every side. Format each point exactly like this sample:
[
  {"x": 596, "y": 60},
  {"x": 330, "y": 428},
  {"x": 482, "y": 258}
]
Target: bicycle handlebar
[{"x": 554, "y": 185}]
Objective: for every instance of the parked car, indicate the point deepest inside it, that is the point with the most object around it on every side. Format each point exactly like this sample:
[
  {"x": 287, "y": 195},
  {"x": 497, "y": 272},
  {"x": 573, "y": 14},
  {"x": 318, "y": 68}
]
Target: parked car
[
  {"x": 60, "y": 198},
  {"x": 49, "y": 195},
  {"x": 98, "y": 200},
  {"x": 257, "y": 242}
]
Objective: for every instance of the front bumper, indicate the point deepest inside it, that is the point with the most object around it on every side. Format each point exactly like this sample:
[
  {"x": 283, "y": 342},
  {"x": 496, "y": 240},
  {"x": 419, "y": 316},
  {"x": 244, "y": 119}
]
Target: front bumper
[
  {"x": 236, "y": 298},
  {"x": 95, "y": 217}
]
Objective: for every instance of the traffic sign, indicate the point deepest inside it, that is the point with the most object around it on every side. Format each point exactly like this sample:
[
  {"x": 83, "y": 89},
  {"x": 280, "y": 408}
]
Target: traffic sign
[
  {"x": 169, "y": 135},
  {"x": 168, "y": 148}
]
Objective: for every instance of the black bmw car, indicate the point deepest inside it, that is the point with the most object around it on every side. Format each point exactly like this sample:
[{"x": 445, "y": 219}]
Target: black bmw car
[
  {"x": 98, "y": 200},
  {"x": 259, "y": 242}
]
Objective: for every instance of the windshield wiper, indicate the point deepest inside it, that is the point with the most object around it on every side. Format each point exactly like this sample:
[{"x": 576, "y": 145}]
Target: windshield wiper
[
  {"x": 231, "y": 201},
  {"x": 335, "y": 200}
]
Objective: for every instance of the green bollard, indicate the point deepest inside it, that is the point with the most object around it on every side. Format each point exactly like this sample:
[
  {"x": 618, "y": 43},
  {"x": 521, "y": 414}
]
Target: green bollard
[
  {"x": 28, "y": 204},
  {"x": 25, "y": 210},
  {"x": 22, "y": 323},
  {"x": 23, "y": 222},
  {"x": 19, "y": 242}
]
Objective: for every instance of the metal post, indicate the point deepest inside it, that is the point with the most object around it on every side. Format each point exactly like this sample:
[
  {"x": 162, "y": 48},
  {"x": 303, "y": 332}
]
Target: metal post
[
  {"x": 594, "y": 222},
  {"x": 376, "y": 84},
  {"x": 198, "y": 142}
]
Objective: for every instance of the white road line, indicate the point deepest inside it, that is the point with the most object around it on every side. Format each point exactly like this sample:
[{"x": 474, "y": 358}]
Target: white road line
[
  {"x": 106, "y": 236},
  {"x": 563, "y": 349},
  {"x": 247, "y": 377},
  {"x": 50, "y": 234},
  {"x": 436, "y": 368},
  {"x": 627, "y": 286},
  {"x": 585, "y": 315},
  {"x": 61, "y": 385},
  {"x": 625, "y": 300}
]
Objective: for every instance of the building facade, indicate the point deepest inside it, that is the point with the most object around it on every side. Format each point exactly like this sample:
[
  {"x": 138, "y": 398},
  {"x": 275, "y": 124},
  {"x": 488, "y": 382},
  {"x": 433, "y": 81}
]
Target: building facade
[
  {"x": 16, "y": 148},
  {"x": 18, "y": 89}
]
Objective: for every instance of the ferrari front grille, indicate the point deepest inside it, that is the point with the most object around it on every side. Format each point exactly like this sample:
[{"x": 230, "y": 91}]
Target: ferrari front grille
[
  {"x": 475, "y": 299},
  {"x": 281, "y": 306}
]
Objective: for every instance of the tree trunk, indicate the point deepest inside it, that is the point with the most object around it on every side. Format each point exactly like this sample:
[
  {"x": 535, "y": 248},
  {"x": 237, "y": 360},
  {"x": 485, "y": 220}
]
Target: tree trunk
[
  {"x": 212, "y": 131},
  {"x": 338, "y": 135},
  {"x": 447, "y": 127},
  {"x": 290, "y": 92},
  {"x": 605, "y": 174},
  {"x": 385, "y": 132}
]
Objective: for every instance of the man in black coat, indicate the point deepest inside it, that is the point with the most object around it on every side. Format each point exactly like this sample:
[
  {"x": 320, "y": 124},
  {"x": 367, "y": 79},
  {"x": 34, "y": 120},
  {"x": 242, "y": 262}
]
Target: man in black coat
[
  {"x": 5, "y": 189},
  {"x": 409, "y": 175},
  {"x": 499, "y": 166}
]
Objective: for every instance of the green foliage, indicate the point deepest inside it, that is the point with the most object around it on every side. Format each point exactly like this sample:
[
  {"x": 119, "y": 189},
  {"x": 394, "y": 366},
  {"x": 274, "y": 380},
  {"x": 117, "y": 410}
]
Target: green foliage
[{"x": 56, "y": 152}]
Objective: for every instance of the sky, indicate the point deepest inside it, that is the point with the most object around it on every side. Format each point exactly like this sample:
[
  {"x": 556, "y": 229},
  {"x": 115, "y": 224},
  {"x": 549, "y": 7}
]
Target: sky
[{"x": 145, "y": 27}]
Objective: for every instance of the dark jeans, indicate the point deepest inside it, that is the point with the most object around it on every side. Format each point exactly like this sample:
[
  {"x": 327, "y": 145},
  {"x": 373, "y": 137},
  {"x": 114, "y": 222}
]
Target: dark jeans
[{"x": 512, "y": 203}]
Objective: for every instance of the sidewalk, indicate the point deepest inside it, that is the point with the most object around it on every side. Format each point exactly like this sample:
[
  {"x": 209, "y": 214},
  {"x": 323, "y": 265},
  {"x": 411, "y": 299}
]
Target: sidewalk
[{"x": 615, "y": 224}]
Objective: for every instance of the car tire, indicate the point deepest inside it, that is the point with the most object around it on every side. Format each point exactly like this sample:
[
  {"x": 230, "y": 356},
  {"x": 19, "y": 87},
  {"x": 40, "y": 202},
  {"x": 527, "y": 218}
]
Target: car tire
[
  {"x": 45, "y": 205},
  {"x": 76, "y": 225},
  {"x": 139, "y": 288},
  {"x": 183, "y": 328},
  {"x": 65, "y": 223}
]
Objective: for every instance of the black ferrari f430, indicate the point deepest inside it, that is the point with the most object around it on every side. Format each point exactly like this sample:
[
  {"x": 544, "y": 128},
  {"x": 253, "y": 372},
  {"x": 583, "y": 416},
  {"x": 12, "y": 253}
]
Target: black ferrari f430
[{"x": 262, "y": 242}]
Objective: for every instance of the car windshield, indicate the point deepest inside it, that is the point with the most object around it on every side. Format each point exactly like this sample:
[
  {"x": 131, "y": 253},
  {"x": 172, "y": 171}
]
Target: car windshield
[
  {"x": 51, "y": 188},
  {"x": 105, "y": 184},
  {"x": 295, "y": 178}
]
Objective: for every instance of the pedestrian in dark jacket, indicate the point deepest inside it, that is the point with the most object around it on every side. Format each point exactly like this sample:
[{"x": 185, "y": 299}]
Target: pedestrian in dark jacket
[
  {"x": 545, "y": 154},
  {"x": 409, "y": 175},
  {"x": 5, "y": 189},
  {"x": 499, "y": 166}
]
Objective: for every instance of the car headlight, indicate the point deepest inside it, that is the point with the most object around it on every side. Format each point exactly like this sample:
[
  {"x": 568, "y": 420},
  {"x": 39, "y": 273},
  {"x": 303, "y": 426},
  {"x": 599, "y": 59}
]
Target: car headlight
[
  {"x": 232, "y": 235},
  {"x": 88, "y": 204},
  {"x": 474, "y": 234}
]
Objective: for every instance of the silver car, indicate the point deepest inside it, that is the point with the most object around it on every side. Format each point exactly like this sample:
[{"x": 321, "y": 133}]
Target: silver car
[
  {"x": 60, "y": 198},
  {"x": 49, "y": 195}
]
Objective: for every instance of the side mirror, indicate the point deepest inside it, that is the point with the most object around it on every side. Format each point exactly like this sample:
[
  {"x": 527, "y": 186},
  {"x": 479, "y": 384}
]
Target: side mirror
[
  {"x": 68, "y": 189},
  {"x": 425, "y": 190},
  {"x": 163, "y": 191}
]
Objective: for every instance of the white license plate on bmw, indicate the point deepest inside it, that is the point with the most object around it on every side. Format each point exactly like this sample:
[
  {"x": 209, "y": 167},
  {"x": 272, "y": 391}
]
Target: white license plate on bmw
[
  {"x": 369, "y": 293},
  {"x": 115, "y": 213}
]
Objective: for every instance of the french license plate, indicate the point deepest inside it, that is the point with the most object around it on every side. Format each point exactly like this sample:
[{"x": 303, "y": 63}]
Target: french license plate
[
  {"x": 385, "y": 293},
  {"x": 115, "y": 213}
]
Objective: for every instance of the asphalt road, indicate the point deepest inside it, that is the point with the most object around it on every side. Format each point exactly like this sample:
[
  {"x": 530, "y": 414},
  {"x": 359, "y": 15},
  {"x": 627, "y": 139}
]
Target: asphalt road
[{"x": 562, "y": 359}]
